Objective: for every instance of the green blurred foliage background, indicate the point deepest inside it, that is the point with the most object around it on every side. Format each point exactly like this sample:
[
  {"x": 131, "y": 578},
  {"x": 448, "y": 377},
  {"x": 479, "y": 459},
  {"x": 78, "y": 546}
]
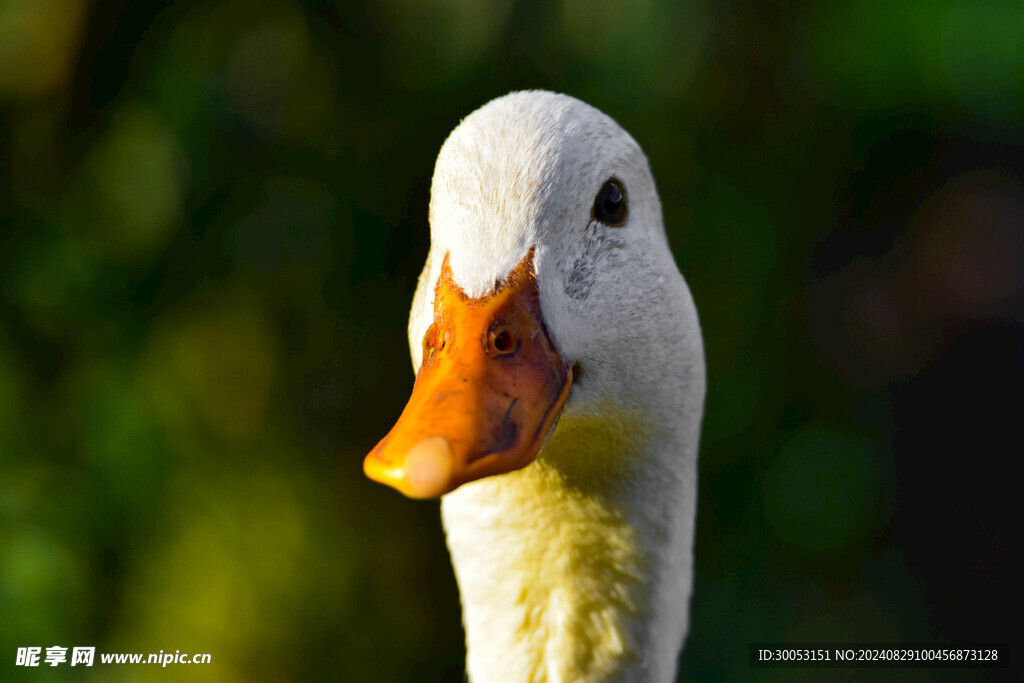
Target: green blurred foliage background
[{"x": 212, "y": 216}]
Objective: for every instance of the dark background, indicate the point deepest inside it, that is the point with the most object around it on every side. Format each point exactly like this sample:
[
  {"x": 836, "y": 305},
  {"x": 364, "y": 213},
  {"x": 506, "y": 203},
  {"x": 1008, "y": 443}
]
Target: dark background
[{"x": 212, "y": 216}]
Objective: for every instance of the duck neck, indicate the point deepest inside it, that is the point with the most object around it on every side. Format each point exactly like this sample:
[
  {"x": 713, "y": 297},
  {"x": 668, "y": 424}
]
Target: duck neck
[{"x": 562, "y": 566}]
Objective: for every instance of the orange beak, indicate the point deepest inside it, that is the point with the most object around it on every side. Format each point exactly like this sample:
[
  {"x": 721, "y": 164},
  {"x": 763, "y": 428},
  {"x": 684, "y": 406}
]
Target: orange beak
[{"x": 490, "y": 386}]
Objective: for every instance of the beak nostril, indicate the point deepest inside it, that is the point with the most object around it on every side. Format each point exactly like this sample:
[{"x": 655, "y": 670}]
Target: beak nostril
[
  {"x": 502, "y": 342},
  {"x": 430, "y": 341}
]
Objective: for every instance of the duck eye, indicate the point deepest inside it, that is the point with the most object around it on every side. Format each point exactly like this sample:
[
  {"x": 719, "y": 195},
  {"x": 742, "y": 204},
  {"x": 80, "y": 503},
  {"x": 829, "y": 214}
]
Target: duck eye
[{"x": 610, "y": 203}]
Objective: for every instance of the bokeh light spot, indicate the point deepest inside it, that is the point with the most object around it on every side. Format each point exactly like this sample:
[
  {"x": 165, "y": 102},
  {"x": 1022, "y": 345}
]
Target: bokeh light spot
[
  {"x": 647, "y": 50},
  {"x": 40, "y": 583},
  {"x": 136, "y": 175},
  {"x": 882, "y": 54},
  {"x": 435, "y": 41},
  {"x": 50, "y": 279},
  {"x": 212, "y": 364},
  {"x": 823, "y": 491},
  {"x": 38, "y": 41}
]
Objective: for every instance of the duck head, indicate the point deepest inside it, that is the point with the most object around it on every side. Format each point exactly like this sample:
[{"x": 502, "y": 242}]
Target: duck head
[{"x": 548, "y": 264}]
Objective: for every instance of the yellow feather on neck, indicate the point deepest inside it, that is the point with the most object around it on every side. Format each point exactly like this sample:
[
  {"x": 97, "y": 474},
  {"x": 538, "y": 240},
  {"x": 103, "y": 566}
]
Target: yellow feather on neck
[{"x": 566, "y": 535}]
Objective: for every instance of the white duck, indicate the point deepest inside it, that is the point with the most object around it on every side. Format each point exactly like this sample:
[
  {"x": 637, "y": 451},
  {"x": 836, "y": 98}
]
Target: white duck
[{"x": 551, "y": 313}]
